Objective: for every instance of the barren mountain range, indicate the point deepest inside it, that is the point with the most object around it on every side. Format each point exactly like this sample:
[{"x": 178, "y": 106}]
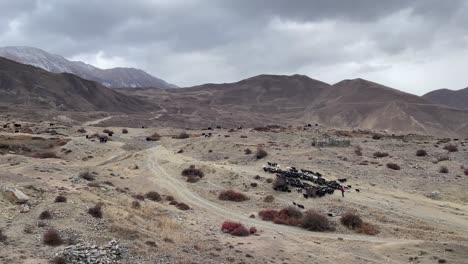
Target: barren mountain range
[
  {"x": 115, "y": 78},
  {"x": 456, "y": 99},
  {"x": 25, "y": 86},
  {"x": 260, "y": 100}
]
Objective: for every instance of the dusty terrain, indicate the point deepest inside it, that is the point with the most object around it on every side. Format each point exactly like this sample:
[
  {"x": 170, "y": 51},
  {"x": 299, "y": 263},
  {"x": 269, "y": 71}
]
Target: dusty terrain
[{"x": 421, "y": 214}]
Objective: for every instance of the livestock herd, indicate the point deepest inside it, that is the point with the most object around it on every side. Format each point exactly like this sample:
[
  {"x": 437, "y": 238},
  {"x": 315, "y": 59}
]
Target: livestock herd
[{"x": 310, "y": 184}]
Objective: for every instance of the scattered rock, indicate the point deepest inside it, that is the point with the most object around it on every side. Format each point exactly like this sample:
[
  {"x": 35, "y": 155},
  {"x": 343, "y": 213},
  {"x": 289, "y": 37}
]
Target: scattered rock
[{"x": 14, "y": 195}]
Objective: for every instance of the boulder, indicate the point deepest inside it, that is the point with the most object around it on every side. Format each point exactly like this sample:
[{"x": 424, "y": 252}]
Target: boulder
[
  {"x": 24, "y": 208},
  {"x": 14, "y": 195}
]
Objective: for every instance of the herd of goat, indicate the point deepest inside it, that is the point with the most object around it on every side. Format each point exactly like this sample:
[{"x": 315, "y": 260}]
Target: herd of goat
[{"x": 298, "y": 179}]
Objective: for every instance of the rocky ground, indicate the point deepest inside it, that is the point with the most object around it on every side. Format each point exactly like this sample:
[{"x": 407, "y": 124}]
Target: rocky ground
[{"x": 420, "y": 213}]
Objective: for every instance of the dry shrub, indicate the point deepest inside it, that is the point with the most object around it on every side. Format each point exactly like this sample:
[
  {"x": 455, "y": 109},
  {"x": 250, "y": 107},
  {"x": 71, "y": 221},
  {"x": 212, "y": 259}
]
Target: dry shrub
[
  {"x": 421, "y": 153},
  {"x": 45, "y": 155},
  {"x": 261, "y": 153},
  {"x": 81, "y": 130},
  {"x": 466, "y": 171},
  {"x": 269, "y": 199},
  {"x": 140, "y": 197},
  {"x": 108, "y": 131},
  {"x": 45, "y": 215},
  {"x": 182, "y": 135},
  {"x": 443, "y": 157},
  {"x": 248, "y": 151},
  {"x": 58, "y": 260},
  {"x": 193, "y": 179},
  {"x": 96, "y": 211},
  {"x": 240, "y": 231},
  {"x": 253, "y": 230},
  {"x": 243, "y": 136},
  {"x": 154, "y": 137},
  {"x": 173, "y": 203},
  {"x": 314, "y": 221},
  {"x": 393, "y": 166},
  {"x": 379, "y": 154},
  {"x": 279, "y": 183},
  {"x": 136, "y": 205},
  {"x": 153, "y": 196},
  {"x": 182, "y": 206},
  {"x": 180, "y": 151},
  {"x": 60, "y": 199},
  {"x": 443, "y": 169},
  {"x": 376, "y": 136},
  {"x": 124, "y": 131},
  {"x": 192, "y": 171},
  {"x": 3, "y": 237},
  {"x": 229, "y": 226},
  {"x": 368, "y": 229},
  {"x": 52, "y": 238},
  {"x": 231, "y": 195},
  {"x": 451, "y": 147},
  {"x": 170, "y": 198},
  {"x": 358, "y": 150},
  {"x": 351, "y": 220},
  {"x": 268, "y": 215},
  {"x": 87, "y": 176}
]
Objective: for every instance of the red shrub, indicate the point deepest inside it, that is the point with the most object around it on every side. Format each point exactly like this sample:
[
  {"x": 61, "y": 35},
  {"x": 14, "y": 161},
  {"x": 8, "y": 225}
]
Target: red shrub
[
  {"x": 253, "y": 230},
  {"x": 287, "y": 221},
  {"x": 231, "y": 195},
  {"x": 240, "y": 231},
  {"x": 229, "y": 226},
  {"x": 466, "y": 171},
  {"x": 268, "y": 215}
]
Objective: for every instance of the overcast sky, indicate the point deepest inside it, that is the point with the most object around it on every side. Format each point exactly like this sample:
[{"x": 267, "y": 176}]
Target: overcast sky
[{"x": 415, "y": 46}]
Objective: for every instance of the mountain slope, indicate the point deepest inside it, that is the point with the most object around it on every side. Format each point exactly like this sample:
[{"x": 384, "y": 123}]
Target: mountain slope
[
  {"x": 30, "y": 87},
  {"x": 456, "y": 99},
  {"x": 297, "y": 99},
  {"x": 115, "y": 78}
]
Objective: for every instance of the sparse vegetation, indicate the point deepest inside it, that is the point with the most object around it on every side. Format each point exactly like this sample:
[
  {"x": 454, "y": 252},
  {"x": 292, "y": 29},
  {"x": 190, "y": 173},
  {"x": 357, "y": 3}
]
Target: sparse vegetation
[
  {"x": 368, "y": 229},
  {"x": 314, "y": 221},
  {"x": 421, "y": 153},
  {"x": 96, "y": 211},
  {"x": 45, "y": 215},
  {"x": 268, "y": 215},
  {"x": 231, "y": 195},
  {"x": 154, "y": 137},
  {"x": 358, "y": 150},
  {"x": 60, "y": 199},
  {"x": 443, "y": 169},
  {"x": 443, "y": 157},
  {"x": 45, "y": 155},
  {"x": 52, "y": 238},
  {"x": 235, "y": 229},
  {"x": 351, "y": 220},
  {"x": 451, "y": 147},
  {"x": 261, "y": 153},
  {"x": 136, "y": 204},
  {"x": 182, "y": 135},
  {"x": 393, "y": 166},
  {"x": 182, "y": 206},
  {"x": 86, "y": 175},
  {"x": 269, "y": 199},
  {"x": 3, "y": 237},
  {"x": 379, "y": 154},
  {"x": 153, "y": 196}
]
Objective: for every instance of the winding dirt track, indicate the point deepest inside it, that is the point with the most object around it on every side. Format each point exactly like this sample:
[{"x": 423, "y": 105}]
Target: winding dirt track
[{"x": 180, "y": 189}]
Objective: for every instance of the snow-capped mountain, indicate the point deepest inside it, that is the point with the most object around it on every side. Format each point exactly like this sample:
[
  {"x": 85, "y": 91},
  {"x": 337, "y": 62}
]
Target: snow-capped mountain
[{"x": 115, "y": 78}]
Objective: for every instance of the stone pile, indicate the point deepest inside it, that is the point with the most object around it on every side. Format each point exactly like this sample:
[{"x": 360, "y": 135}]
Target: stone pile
[{"x": 87, "y": 253}]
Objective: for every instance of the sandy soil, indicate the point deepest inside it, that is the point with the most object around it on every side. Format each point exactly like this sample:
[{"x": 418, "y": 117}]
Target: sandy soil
[{"x": 413, "y": 227}]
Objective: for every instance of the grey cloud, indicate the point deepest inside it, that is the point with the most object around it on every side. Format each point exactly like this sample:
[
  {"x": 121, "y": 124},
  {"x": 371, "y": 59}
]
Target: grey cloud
[{"x": 196, "y": 41}]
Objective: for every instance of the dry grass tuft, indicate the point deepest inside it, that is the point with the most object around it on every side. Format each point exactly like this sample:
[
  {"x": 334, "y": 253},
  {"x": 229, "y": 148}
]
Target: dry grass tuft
[
  {"x": 315, "y": 221},
  {"x": 231, "y": 195}
]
